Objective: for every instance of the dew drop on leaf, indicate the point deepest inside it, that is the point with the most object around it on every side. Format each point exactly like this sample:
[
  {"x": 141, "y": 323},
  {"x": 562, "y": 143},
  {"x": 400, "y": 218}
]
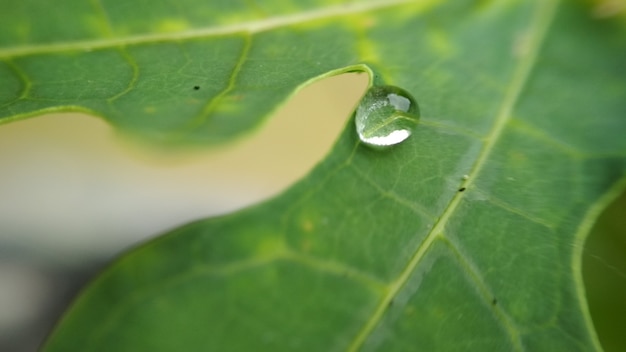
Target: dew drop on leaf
[{"x": 387, "y": 115}]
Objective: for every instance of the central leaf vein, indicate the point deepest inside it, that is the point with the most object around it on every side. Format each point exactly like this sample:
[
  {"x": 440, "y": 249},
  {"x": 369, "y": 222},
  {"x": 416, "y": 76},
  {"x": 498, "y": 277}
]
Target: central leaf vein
[{"x": 538, "y": 29}]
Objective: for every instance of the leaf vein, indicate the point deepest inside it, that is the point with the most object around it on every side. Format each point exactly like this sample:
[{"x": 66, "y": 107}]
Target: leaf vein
[
  {"x": 23, "y": 77},
  {"x": 449, "y": 128},
  {"x": 486, "y": 292},
  {"x": 544, "y": 15},
  {"x": 133, "y": 80},
  {"x": 511, "y": 209},
  {"x": 543, "y": 137},
  {"x": 338, "y": 269},
  {"x": 414, "y": 206},
  {"x": 247, "y": 27},
  {"x": 213, "y": 103},
  {"x": 104, "y": 17}
]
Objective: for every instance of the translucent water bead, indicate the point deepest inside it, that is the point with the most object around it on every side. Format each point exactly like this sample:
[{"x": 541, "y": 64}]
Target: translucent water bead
[{"x": 387, "y": 115}]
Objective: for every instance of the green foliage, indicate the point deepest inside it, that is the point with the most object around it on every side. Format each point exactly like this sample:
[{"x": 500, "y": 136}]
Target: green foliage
[
  {"x": 605, "y": 281},
  {"x": 374, "y": 250}
]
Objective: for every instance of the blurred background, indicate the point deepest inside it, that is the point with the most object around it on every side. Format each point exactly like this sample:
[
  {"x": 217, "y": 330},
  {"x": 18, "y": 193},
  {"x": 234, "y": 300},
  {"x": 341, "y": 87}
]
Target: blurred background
[{"x": 73, "y": 194}]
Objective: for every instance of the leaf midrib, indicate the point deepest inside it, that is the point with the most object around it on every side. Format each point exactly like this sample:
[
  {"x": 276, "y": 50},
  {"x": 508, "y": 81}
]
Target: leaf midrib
[
  {"x": 543, "y": 17},
  {"x": 245, "y": 27}
]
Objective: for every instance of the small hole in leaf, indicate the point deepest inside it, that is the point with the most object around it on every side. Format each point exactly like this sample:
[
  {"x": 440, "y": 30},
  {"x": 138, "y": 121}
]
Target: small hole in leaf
[
  {"x": 196, "y": 87},
  {"x": 462, "y": 189}
]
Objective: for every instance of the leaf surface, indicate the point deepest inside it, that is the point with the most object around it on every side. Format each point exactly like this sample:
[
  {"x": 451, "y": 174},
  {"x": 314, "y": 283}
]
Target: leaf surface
[{"x": 522, "y": 109}]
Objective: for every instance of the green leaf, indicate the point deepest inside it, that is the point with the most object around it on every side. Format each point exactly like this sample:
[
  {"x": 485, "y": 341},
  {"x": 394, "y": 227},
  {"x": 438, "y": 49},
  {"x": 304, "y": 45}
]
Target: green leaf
[
  {"x": 604, "y": 265},
  {"x": 208, "y": 83},
  {"x": 374, "y": 250}
]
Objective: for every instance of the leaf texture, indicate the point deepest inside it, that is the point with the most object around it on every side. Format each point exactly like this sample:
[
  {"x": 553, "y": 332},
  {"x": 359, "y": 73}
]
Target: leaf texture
[{"x": 467, "y": 236}]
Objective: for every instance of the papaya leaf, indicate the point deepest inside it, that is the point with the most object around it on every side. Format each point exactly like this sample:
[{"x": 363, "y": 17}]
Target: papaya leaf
[{"x": 466, "y": 236}]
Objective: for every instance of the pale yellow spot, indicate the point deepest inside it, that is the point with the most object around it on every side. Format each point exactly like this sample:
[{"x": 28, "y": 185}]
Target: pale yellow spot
[
  {"x": 22, "y": 30},
  {"x": 98, "y": 25},
  {"x": 367, "y": 22},
  {"x": 608, "y": 8},
  {"x": 172, "y": 25},
  {"x": 225, "y": 107},
  {"x": 235, "y": 19},
  {"x": 440, "y": 42},
  {"x": 307, "y": 225},
  {"x": 149, "y": 109},
  {"x": 367, "y": 50},
  {"x": 271, "y": 246}
]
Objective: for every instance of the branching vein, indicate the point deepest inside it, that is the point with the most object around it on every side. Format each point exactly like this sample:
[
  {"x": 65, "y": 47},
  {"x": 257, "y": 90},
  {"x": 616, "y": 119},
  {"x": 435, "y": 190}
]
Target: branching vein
[
  {"x": 544, "y": 15},
  {"x": 246, "y": 27}
]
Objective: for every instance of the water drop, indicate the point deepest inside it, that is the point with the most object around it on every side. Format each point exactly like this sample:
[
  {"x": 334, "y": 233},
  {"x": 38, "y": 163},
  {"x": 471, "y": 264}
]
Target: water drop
[{"x": 386, "y": 115}]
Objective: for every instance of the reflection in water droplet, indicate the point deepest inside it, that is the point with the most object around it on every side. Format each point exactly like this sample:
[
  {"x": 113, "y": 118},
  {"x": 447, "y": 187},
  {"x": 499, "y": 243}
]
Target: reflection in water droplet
[{"x": 386, "y": 116}]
